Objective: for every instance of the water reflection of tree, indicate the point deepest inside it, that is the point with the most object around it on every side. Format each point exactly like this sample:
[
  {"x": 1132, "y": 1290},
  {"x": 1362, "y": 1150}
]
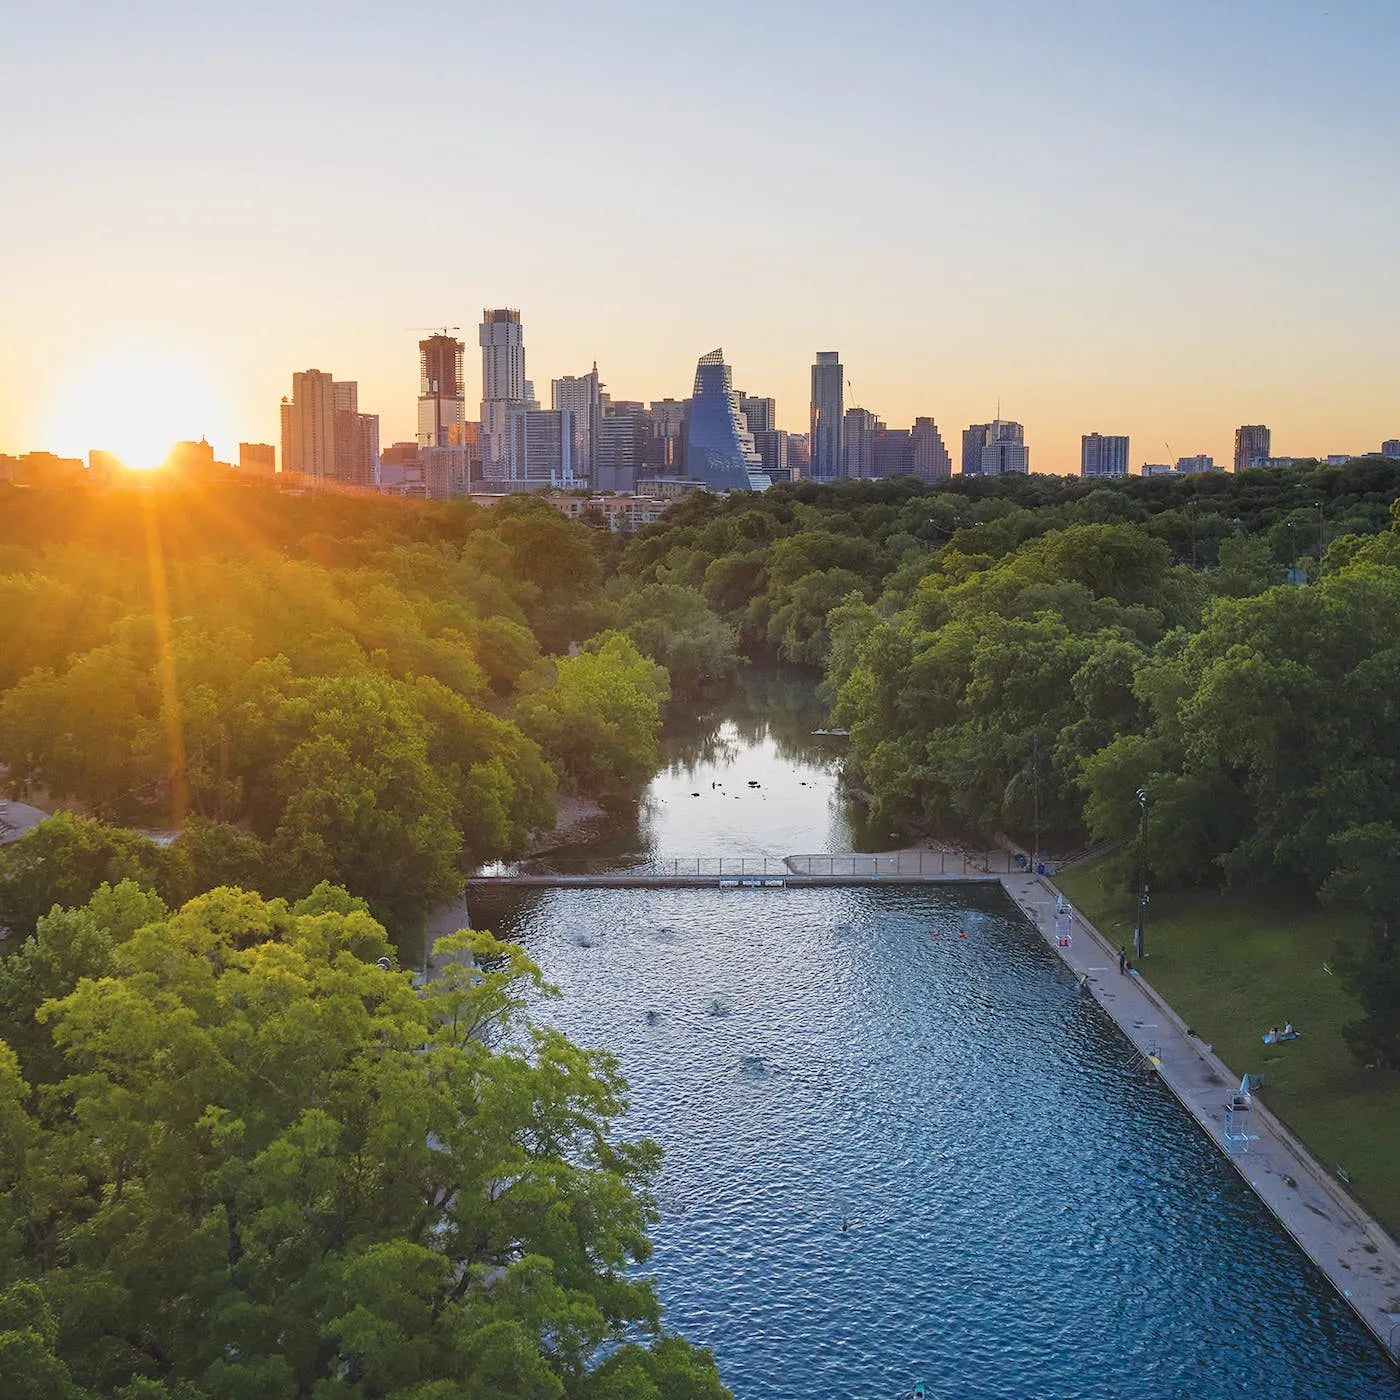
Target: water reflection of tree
[{"x": 764, "y": 701}]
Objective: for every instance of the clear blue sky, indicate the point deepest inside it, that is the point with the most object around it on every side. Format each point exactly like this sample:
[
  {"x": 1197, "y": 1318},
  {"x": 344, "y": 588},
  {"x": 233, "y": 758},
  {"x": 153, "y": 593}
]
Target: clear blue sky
[{"x": 1159, "y": 219}]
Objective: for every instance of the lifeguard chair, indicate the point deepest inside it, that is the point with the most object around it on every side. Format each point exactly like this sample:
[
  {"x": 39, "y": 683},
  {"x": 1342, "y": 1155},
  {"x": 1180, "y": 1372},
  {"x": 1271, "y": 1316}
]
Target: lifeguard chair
[
  {"x": 1064, "y": 923},
  {"x": 1237, "y": 1108}
]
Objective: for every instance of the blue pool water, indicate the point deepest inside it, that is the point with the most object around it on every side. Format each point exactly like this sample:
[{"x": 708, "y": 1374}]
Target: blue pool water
[{"x": 1027, "y": 1217}]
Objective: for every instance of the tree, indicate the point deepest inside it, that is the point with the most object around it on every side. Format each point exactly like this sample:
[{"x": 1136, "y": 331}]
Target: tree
[
  {"x": 597, "y": 714},
  {"x": 1367, "y": 877},
  {"x": 63, "y": 859},
  {"x": 29, "y": 1369},
  {"x": 257, "y": 1163},
  {"x": 498, "y": 783},
  {"x": 358, "y": 799},
  {"x": 675, "y": 627}
]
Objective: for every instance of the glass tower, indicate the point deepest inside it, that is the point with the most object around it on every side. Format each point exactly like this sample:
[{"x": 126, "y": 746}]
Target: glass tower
[
  {"x": 828, "y": 417},
  {"x": 719, "y": 448}
]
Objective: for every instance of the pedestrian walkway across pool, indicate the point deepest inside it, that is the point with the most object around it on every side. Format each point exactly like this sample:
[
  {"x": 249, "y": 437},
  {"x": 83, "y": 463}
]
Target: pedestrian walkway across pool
[{"x": 915, "y": 866}]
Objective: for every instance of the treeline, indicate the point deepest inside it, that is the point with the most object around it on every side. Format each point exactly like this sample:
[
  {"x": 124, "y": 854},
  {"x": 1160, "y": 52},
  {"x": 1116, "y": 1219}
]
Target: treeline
[
  {"x": 381, "y": 694},
  {"x": 1024, "y": 655},
  {"x": 773, "y": 566}
]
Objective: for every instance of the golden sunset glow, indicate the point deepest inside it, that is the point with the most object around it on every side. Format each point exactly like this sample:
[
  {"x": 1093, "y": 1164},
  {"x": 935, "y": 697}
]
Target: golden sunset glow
[{"x": 136, "y": 403}]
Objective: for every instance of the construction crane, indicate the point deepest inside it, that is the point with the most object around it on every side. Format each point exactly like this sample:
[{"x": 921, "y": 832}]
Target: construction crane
[{"x": 436, "y": 330}]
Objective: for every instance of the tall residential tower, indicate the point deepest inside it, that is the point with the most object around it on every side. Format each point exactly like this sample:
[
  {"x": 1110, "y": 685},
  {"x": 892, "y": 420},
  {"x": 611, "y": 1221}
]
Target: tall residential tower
[
  {"x": 308, "y": 425},
  {"x": 828, "y": 416},
  {"x": 1103, "y": 456},
  {"x": 581, "y": 396},
  {"x": 1251, "y": 446},
  {"x": 502, "y": 384}
]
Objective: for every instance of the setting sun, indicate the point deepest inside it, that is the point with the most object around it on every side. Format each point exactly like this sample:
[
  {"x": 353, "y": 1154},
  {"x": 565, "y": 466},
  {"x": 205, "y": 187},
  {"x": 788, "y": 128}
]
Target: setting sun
[{"x": 136, "y": 403}]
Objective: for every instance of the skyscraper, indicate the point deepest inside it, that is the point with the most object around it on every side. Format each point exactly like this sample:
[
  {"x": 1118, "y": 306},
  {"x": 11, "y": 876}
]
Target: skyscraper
[
  {"x": 1390, "y": 447},
  {"x": 308, "y": 425},
  {"x": 828, "y": 416},
  {"x": 892, "y": 451},
  {"x": 931, "y": 459},
  {"x": 1103, "y": 456},
  {"x": 665, "y": 455},
  {"x": 799, "y": 454},
  {"x": 539, "y": 446},
  {"x": 758, "y": 413},
  {"x": 324, "y": 434},
  {"x": 358, "y": 465},
  {"x": 502, "y": 384},
  {"x": 257, "y": 459},
  {"x": 858, "y": 443},
  {"x": 989, "y": 449},
  {"x": 442, "y": 399},
  {"x": 719, "y": 448},
  {"x": 581, "y": 395},
  {"x": 356, "y": 438},
  {"x": 624, "y": 434},
  {"x": 1251, "y": 446},
  {"x": 771, "y": 444},
  {"x": 974, "y": 439}
]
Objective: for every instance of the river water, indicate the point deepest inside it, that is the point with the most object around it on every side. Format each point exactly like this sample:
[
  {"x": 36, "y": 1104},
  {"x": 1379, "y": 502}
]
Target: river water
[{"x": 1024, "y": 1217}]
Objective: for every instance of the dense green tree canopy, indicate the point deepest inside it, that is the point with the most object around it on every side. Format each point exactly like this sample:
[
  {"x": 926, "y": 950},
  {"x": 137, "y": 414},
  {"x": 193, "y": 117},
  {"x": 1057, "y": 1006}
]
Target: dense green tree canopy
[
  {"x": 323, "y": 687},
  {"x": 242, "y": 1159}
]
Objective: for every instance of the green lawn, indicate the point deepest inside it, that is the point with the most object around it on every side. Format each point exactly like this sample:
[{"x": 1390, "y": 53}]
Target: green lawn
[{"x": 1234, "y": 964}]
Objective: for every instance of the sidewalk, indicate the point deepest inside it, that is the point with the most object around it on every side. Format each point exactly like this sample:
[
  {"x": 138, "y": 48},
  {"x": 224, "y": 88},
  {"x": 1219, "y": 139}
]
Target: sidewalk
[{"x": 1360, "y": 1260}]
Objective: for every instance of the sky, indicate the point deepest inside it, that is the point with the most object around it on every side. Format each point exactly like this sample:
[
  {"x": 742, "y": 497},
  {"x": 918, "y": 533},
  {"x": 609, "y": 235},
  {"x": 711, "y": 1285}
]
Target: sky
[{"x": 1122, "y": 216}]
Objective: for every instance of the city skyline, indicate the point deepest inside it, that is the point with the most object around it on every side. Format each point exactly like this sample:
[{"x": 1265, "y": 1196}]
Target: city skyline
[{"x": 1186, "y": 253}]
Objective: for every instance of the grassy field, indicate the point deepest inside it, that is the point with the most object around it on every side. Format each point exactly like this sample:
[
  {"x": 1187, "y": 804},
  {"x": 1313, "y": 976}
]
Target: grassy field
[{"x": 1234, "y": 964}]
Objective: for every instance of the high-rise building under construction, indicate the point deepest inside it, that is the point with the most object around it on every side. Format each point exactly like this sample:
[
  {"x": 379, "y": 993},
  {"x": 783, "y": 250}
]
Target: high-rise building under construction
[{"x": 442, "y": 400}]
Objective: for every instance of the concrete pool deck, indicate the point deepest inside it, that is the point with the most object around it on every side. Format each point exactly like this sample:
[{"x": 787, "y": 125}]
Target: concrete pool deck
[{"x": 1358, "y": 1257}]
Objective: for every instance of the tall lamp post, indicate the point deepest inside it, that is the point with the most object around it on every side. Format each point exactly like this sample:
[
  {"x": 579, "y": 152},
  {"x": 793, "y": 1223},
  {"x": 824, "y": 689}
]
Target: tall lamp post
[{"x": 1142, "y": 874}]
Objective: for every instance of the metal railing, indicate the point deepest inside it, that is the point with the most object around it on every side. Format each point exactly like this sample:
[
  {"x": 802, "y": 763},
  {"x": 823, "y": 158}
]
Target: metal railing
[
  {"x": 846, "y": 865},
  {"x": 906, "y": 863}
]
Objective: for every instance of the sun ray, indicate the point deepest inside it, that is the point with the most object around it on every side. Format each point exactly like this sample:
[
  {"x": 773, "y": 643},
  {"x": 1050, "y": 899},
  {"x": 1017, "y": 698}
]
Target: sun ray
[{"x": 171, "y": 719}]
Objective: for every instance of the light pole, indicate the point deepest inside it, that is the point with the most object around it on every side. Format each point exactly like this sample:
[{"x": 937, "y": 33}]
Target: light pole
[
  {"x": 1142, "y": 874},
  {"x": 1035, "y": 797}
]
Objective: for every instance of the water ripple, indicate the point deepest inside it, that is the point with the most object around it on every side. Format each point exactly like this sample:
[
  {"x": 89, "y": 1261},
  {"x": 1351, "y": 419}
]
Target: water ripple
[{"x": 1023, "y": 1217}]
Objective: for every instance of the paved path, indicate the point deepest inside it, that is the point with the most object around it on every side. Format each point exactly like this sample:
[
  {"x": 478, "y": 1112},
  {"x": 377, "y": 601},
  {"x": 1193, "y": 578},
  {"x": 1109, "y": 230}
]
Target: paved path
[
  {"x": 16, "y": 818},
  {"x": 1358, "y": 1257}
]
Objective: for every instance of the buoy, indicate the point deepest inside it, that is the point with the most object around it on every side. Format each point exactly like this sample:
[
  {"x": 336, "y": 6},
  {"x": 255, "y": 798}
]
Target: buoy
[{"x": 961, "y": 934}]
